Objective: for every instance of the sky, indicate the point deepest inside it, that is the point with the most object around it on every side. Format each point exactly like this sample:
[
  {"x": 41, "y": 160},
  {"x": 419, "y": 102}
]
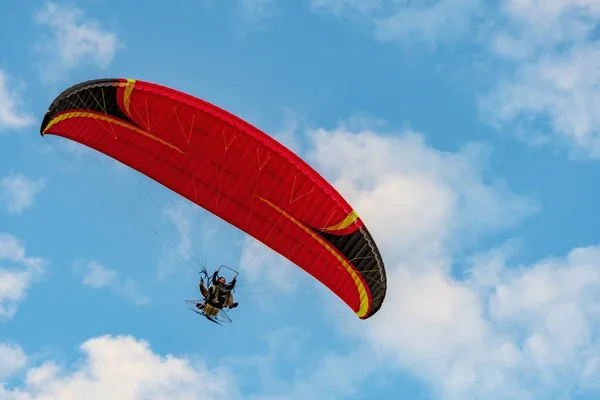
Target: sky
[{"x": 463, "y": 132}]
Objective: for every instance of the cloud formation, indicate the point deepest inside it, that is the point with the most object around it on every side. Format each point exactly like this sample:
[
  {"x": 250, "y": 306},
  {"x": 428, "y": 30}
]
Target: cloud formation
[
  {"x": 74, "y": 41},
  {"x": 12, "y": 109},
  {"x": 549, "y": 91},
  {"x": 255, "y": 11},
  {"x": 12, "y": 359},
  {"x": 97, "y": 276},
  {"x": 471, "y": 328},
  {"x": 540, "y": 78},
  {"x": 18, "y": 192},
  {"x": 17, "y": 271},
  {"x": 123, "y": 368}
]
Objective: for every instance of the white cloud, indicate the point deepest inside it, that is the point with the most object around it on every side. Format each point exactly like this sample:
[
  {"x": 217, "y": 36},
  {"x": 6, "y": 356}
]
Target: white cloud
[
  {"x": 538, "y": 12},
  {"x": 532, "y": 27},
  {"x": 254, "y": 11},
  {"x": 334, "y": 376},
  {"x": 342, "y": 8},
  {"x": 541, "y": 56},
  {"x": 552, "y": 81},
  {"x": 97, "y": 276},
  {"x": 502, "y": 332},
  {"x": 12, "y": 359},
  {"x": 433, "y": 22},
  {"x": 557, "y": 90},
  {"x": 12, "y": 113},
  {"x": 123, "y": 368},
  {"x": 130, "y": 289},
  {"x": 318, "y": 371},
  {"x": 263, "y": 266},
  {"x": 75, "y": 41},
  {"x": 17, "y": 272},
  {"x": 17, "y": 192},
  {"x": 531, "y": 333},
  {"x": 444, "y": 20}
]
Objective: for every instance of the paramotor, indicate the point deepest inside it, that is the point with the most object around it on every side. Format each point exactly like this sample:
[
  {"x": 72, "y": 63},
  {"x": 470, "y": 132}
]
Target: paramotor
[{"x": 232, "y": 169}]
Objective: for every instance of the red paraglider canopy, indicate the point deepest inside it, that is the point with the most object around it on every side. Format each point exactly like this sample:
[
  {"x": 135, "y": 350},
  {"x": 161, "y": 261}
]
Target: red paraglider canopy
[{"x": 231, "y": 169}]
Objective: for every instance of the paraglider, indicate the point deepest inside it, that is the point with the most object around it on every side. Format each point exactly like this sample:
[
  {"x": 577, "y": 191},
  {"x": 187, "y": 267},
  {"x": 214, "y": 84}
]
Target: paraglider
[{"x": 231, "y": 169}]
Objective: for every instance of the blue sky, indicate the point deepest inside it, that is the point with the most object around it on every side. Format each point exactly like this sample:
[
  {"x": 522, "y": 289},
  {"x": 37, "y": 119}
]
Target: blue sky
[{"x": 475, "y": 148}]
